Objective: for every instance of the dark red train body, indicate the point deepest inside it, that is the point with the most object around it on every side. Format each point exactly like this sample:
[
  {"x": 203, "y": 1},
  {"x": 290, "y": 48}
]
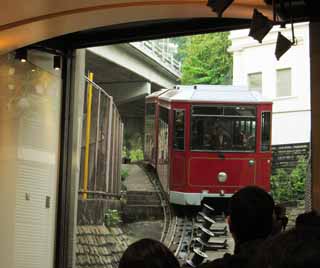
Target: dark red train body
[{"x": 208, "y": 141}]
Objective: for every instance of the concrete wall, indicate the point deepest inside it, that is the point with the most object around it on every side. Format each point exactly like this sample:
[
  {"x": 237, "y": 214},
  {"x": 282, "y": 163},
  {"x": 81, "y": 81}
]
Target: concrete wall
[{"x": 291, "y": 115}]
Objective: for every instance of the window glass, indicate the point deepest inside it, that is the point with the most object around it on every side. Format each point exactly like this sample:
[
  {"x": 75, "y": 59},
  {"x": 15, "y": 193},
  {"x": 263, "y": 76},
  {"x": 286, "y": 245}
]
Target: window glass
[
  {"x": 255, "y": 81},
  {"x": 233, "y": 130},
  {"x": 265, "y": 131},
  {"x": 284, "y": 82},
  {"x": 163, "y": 155},
  {"x": 178, "y": 139},
  {"x": 149, "y": 138},
  {"x": 150, "y": 108},
  {"x": 207, "y": 110},
  {"x": 30, "y": 105}
]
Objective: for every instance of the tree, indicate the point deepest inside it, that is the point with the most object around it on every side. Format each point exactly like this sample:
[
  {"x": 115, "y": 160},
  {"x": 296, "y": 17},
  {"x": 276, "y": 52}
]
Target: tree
[{"x": 205, "y": 59}]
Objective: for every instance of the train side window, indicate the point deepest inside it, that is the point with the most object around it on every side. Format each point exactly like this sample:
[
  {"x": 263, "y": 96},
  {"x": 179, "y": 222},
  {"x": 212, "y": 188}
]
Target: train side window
[
  {"x": 178, "y": 139},
  {"x": 265, "y": 131}
]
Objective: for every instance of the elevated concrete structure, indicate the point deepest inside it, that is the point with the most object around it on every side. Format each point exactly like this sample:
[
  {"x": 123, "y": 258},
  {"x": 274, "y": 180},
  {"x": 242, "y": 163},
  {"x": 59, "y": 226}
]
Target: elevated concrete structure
[{"x": 129, "y": 72}]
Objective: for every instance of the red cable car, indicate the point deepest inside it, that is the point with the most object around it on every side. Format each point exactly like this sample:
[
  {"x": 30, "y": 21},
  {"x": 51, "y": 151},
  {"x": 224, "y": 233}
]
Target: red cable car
[{"x": 208, "y": 141}]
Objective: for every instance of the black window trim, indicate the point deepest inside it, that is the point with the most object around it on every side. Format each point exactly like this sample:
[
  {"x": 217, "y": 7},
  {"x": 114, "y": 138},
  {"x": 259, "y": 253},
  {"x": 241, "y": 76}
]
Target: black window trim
[
  {"x": 270, "y": 130},
  {"x": 184, "y": 129}
]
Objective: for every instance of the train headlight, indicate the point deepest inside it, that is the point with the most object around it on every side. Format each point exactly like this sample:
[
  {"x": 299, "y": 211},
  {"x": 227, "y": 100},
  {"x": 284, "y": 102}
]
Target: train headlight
[{"x": 222, "y": 177}]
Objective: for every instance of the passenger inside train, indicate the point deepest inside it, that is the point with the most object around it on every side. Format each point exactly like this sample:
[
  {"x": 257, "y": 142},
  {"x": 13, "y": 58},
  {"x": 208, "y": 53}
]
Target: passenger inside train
[
  {"x": 148, "y": 253},
  {"x": 296, "y": 248}
]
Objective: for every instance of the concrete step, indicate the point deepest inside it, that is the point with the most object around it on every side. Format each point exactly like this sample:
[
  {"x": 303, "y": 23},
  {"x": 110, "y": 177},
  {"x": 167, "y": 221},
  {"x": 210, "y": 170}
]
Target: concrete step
[
  {"x": 139, "y": 213},
  {"x": 142, "y": 205},
  {"x": 142, "y": 198}
]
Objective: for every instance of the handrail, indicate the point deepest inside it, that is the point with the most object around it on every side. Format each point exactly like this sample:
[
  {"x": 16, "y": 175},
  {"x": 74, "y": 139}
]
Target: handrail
[
  {"x": 158, "y": 52},
  {"x": 97, "y": 86}
]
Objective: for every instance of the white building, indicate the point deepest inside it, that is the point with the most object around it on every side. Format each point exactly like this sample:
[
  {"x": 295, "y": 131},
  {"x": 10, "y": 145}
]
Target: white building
[{"x": 286, "y": 82}]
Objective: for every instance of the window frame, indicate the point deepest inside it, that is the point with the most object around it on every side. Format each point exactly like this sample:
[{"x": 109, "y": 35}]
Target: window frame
[
  {"x": 270, "y": 132},
  {"x": 248, "y": 81},
  {"x": 277, "y": 87}
]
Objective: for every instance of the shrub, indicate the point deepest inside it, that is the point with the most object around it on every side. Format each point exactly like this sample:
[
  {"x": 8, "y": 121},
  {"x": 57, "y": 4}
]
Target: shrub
[
  {"x": 136, "y": 155},
  {"x": 124, "y": 174},
  {"x": 112, "y": 217},
  {"x": 289, "y": 186}
]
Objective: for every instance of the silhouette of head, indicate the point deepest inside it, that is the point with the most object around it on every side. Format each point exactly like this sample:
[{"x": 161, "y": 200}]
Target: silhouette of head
[
  {"x": 251, "y": 214},
  {"x": 148, "y": 253}
]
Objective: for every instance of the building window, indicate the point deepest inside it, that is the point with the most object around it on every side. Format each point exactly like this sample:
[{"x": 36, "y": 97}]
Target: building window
[
  {"x": 284, "y": 82},
  {"x": 255, "y": 81}
]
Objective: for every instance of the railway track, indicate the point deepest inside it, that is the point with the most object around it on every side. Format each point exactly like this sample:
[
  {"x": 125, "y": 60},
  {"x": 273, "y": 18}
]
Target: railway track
[{"x": 189, "y": 237}]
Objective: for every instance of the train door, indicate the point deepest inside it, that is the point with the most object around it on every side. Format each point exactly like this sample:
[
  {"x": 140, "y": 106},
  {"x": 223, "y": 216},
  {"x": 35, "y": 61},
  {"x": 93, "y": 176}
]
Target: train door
[
  {"x": 150, "y": 134},
  {"x": 178, "y": 157},
  {"x": 264, "y": 147},
  {"x": 163, "y": 147}
]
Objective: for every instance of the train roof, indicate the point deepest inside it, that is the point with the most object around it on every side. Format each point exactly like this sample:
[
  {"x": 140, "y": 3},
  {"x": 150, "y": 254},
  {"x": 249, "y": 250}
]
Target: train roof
[
  {"x": 214, "y": 93},
  {"x": 156, "y": 93}
]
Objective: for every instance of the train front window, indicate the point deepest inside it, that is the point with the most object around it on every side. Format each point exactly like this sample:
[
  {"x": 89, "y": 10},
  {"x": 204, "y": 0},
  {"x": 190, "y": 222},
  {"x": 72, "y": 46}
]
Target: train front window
[
  {"x": 223, "y": 128},
  {"x": 178, "y": 139},
  {"x": 265, "y": 131}
]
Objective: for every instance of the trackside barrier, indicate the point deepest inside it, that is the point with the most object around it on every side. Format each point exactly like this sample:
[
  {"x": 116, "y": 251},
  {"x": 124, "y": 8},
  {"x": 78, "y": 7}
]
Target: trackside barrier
[{"x": 101, "y": 144}]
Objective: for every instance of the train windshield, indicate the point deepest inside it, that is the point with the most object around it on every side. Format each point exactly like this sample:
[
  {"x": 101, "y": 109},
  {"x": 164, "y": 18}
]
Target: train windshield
[{"x": 223, "y": 128}]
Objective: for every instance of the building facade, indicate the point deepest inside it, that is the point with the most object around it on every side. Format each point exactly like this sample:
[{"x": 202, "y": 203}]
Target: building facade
[{"x": 286, "y": 82}]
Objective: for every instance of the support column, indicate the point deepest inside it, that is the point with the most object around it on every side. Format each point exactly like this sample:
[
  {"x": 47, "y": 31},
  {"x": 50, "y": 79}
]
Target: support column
[{"x": 315, "y": 112}]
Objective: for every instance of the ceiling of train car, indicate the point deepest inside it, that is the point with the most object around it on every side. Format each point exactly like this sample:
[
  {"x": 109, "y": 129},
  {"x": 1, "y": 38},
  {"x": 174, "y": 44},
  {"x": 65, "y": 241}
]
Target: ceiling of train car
[
  {"x": 144, "y": 31},
  {"x": 24, "y": 23},
  {"x": 40, "y": 20}
]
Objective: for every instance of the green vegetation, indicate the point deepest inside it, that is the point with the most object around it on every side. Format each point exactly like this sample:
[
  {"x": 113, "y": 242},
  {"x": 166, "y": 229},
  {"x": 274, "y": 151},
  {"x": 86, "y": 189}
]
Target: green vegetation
[
  {"x": 136, "y": 155},
  {"x": 124, "y": 174},
  {"x": 133, "y": 147},
  {"x": 112, "y": 217},
  {"x": 289, "y": 186},
  {"x": 205, "y": 59}
]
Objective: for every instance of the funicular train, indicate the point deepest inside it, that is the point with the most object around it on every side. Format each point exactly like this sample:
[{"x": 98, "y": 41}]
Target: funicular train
[{"x": 206, "y": 142}]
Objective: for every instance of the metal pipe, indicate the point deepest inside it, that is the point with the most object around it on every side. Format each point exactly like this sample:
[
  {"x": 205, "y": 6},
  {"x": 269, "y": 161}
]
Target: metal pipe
[
  {"x": 87, "y": 146},
  {"x": 97, "y": 142},
  {"x": 108, "y": 160}
]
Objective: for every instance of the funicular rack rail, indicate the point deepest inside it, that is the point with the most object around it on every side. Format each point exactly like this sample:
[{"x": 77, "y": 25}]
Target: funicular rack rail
[{"x": 184, "y": 234}]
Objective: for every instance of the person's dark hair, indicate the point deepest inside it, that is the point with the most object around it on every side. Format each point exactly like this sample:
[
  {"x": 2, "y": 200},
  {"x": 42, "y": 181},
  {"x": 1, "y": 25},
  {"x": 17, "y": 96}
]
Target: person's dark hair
[
  {"x": 308, "y": 220},
  {"x": 148, "y": 253},
  {"x": 296, "y": 248},
  {"x": 251, "y": 214}
]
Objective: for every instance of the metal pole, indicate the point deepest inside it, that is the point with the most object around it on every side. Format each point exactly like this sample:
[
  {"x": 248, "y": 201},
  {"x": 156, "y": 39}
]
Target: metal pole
[
  {"x": 97, "y": 142},
  {"x": 109, "y": 131},
  {"x": 315, "y": 112},
  {"x": 87, "y": 147}
]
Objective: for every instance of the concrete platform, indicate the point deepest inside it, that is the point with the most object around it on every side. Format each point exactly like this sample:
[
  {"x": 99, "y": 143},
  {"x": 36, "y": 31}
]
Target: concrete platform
[
  {"x": 143, "y": 201},
  {"x": 137, "y": 179}
]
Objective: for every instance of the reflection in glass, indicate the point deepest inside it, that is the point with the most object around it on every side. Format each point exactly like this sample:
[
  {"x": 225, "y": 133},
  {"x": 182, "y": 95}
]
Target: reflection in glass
[
  {"x": 30, "y": 102},
  {"x": 266, "y": 131},
  {"x": 178, "y": 138},
  {"x": 149, "y": 132}
]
